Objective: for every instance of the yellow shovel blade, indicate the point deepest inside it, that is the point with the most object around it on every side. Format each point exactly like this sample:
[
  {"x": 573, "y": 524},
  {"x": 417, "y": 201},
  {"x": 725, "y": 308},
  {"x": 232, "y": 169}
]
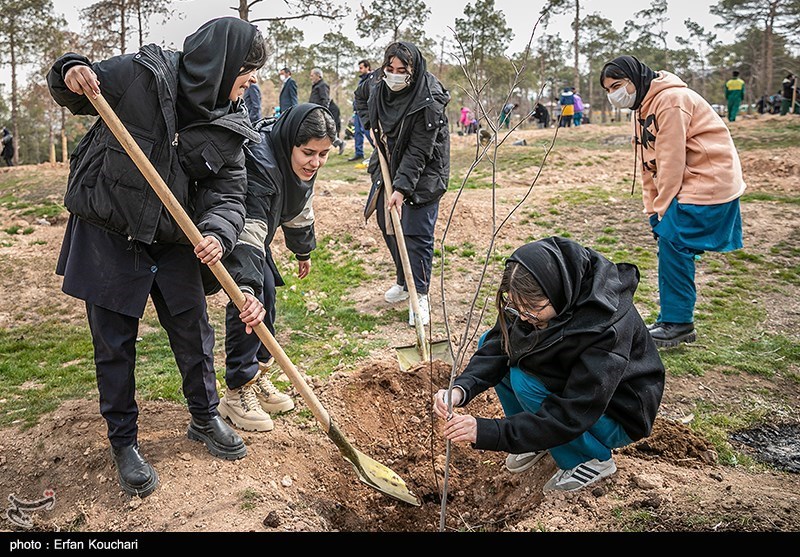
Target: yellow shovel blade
[
  {"x": 372, "y": 472},
  {"x": 409, "y": 356}
]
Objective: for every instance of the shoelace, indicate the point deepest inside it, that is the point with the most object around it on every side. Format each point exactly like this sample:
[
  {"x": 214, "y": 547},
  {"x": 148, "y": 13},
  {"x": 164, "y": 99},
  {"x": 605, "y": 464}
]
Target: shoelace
[
  {"x": 247, "y": 398},
  {"x": 266, "y": 386}
]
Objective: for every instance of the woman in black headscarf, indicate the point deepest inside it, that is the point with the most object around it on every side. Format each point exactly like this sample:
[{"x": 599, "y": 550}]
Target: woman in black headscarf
[
  {"x": 692, "y": 182},
  {"x": 281, "y": 171},
  {"x": 121, "y": 246},
  {"x": 572, "y": 363},
  {"x": 404, "y": 104}
]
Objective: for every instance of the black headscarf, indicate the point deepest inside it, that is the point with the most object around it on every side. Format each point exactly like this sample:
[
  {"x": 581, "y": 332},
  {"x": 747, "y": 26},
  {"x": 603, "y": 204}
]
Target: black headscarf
[
  {"x": 282, "y": 138},
  {"x": 393, "y": 106},
  {"x": 639, "y": 74},
  {"x": 210, "y": 63},
  {"x": 583, "y": 287}
]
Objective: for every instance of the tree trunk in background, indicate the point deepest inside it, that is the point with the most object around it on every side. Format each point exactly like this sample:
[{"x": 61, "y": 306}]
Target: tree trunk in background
[
  {"x": 122, "y": 29},
  {"x": 139, "y": 19},
  {"x": 64, "y": 148},
  {"x": 576, "y": 25},
  {"x": 244, "y": 10},
  {"x": 12, "y": 46},
  {"x": 51, "y": 139}
]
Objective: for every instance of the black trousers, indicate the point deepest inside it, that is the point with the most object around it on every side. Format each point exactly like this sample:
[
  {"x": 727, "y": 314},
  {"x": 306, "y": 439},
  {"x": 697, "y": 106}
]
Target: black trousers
[
  {"x": 419, "y": 224},
  {"x": 243, "y": 351},
  {"x": 114, "y": 336}
]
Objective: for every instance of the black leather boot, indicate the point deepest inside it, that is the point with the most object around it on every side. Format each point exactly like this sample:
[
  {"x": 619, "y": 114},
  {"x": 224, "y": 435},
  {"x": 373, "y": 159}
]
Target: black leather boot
[
  {"x": 667, "y": 335},
  {"x": 220, "y": 439},
  {"x": 136, "y": 475}
]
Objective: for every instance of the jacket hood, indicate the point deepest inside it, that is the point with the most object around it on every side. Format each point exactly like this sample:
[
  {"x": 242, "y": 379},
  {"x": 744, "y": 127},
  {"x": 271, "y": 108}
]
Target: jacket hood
[
  {"x": 588, "y": 292},
  {"x": 664, "y": 81},
  {"x": 210, "y": 63},
  {"x": 281, "y": 138}
]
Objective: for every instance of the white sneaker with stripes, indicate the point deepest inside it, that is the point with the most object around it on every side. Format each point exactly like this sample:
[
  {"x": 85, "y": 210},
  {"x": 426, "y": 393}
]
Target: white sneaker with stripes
[{"x": 582, "y": 475}]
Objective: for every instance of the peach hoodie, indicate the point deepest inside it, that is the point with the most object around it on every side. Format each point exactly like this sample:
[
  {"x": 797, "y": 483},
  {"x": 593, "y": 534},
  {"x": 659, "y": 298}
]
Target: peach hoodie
[{"x": 687, "y": 150}]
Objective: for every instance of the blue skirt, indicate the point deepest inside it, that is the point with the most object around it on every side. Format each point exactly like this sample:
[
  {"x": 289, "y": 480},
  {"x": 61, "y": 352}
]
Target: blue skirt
[{"x": 703, "y": 227}]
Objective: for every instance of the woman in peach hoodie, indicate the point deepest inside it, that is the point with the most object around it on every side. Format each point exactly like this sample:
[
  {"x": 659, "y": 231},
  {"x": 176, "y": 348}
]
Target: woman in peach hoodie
[{"x": 692, "y": 183}]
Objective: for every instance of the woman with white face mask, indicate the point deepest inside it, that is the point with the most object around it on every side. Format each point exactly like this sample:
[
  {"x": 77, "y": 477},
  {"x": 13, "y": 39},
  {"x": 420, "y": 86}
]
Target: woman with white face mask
[
  {"x": 692, "y": 182},
  {"x": 404, "y": 105}
]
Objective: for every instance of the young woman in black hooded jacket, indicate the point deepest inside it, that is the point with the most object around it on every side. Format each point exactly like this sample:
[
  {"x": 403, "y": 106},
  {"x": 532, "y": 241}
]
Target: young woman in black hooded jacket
[
  {"x": 121, "y": 246},
  {"x": 571, "y": 361},
  {"x": 404, "y": 105},
  {"x": 281, "y": 171}
]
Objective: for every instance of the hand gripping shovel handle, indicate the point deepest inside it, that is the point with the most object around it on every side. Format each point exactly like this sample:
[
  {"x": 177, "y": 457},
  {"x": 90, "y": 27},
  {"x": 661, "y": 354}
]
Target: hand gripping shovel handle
[
  {"x": 422, "y": 345},
  {"x": 369, "y": 471}
]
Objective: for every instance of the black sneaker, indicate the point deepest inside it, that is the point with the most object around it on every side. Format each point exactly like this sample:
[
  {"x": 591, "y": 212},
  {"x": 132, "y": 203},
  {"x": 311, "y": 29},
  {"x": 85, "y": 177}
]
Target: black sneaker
[
  {"x": 655, "y": 325},
  {"x": 220, "y": 439},
  {"x": 355, "y": 158},
  {"x": 136, "y": 476},
  {"x": 667, "y": 335}
]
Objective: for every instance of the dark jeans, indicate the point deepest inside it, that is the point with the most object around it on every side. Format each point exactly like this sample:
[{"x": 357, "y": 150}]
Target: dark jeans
[
  {"x": 114, "y": 336},
  {"x": 243, "y": 351},
  {"x": 359, "y": 133},
  {"x": 418, "y": 229}
]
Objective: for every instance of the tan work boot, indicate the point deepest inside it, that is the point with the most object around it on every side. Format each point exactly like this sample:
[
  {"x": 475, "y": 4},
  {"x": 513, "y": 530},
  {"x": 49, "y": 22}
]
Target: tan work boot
[
  {"x": 242, "y": 408},
  {"x": 270, "y": 398}
]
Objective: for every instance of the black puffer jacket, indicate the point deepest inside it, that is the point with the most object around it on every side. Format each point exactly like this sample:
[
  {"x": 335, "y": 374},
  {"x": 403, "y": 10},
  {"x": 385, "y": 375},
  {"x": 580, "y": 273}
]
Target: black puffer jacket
[
  {"x": 419, "y": 160},
  {"x": 203, "y": 164}
]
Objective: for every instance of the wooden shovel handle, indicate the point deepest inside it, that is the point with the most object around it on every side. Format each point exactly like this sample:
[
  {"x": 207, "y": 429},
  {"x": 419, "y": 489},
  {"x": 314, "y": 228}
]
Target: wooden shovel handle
[
  {"x": 188, "y": 227},
  {"x": 401, "y": 247}
]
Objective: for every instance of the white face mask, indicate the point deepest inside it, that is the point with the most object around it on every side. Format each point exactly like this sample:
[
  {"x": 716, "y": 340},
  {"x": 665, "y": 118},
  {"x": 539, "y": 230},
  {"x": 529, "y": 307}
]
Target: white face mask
[
  {"x": 397, "y": 81},
  {"x": 283, "y": 77},
  {"x": 621, "y": 98}
]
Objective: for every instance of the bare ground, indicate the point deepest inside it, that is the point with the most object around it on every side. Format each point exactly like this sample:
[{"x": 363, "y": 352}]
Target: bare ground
[{"x": 295, "y": 479}]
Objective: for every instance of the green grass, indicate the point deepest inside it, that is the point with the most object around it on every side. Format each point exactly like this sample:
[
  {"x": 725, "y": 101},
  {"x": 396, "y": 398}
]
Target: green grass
[
  {"x": 726, "y": 319},
  {"x": 771, "y": 135},
  {"x": 42, "y": 365},
  {"x": 329, "y": 336},
  {"x": 749, "y": 197}
]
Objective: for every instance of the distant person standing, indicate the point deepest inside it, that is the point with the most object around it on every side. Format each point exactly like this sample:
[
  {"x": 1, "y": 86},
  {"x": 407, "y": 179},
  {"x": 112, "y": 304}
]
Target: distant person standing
[
  {"x": 288, "y": 96},
  {"x": 567, "y": 102},
  {"x": 320, "y": 91},
  {"x": 787, "y": 92},
  {"x": 252, "y": 101},
  {"x": 321, "y": 95},
  {"x": 8, "y": 147},
  {"x": 359, "y": 131},
  {"x": 465, "y": 118},
  {"x": 734, "y": 93},
  {"x": 577, "y": 118}
]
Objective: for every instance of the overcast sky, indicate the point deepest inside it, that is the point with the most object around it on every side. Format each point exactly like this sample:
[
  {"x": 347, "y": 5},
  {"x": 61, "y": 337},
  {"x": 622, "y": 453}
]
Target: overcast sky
[{"x": 520, "y": 16}]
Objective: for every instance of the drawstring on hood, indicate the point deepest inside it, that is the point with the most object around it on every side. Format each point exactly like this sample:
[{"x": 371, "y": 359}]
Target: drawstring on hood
[{"x": 641, "y": 76}]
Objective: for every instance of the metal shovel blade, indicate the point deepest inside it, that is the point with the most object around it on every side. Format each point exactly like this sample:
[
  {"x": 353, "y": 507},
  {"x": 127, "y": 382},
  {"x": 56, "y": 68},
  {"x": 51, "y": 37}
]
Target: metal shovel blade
[
  {"x": 372, "y": 472},
  {"x": 409, "y": 356}
]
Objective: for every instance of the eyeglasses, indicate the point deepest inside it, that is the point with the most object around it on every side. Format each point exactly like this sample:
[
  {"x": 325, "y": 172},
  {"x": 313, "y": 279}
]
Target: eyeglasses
[{"x": 511, "y": 310}]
